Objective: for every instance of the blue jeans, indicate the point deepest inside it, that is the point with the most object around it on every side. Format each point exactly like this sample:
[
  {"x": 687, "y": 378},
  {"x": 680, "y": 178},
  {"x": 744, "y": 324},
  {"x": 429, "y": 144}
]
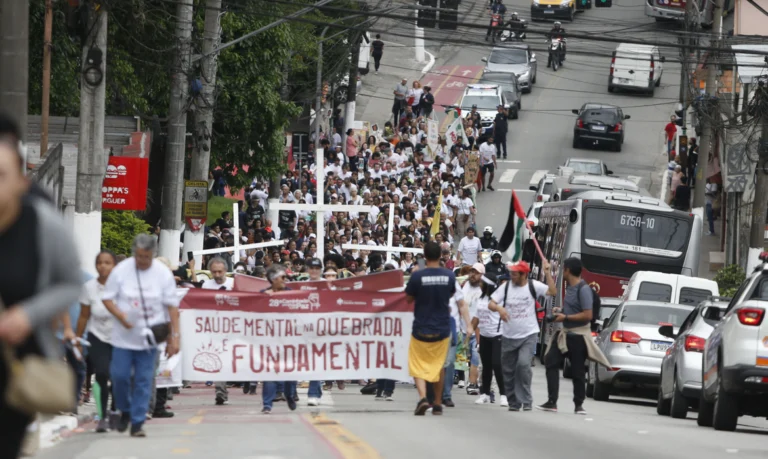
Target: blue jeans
[
  {"x": 315, "y": 389},
  {"x": 710, "y": 217},
  {"x": 450, "y": 368},
  {"x": 474, "y": 355},
  {"x": 270, "y": 390},
  {"x": 670, "y": 146},
  {"x": 385, "y": 386},
  {"x": 132, "y": 375}
]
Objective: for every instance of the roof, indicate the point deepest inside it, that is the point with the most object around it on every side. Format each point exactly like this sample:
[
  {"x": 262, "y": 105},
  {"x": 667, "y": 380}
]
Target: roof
[
  {"x": 595, "y": 106},
  {"x": 583, "y": 160},
  {"x": 524, "y": 46},
  {"x": 632, "y": 48},
  {"x": 655, "y": 303},
  {"x": 579, "y": 179},
  {"x": 751, "y": 66},
  {"x": 625, "y": 198}
]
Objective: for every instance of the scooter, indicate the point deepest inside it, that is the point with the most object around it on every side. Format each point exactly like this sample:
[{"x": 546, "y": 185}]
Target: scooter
[
  {"x": 514, "y": 33},
  {"x": 555, "y": 53},
  {"x": 496, "y": 25}
]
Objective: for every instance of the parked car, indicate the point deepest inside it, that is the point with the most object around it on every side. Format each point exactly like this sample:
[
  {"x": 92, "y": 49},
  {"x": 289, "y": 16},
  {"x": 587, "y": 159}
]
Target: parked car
[
  {"x": 681, "y": 368},
  {"x": 517, "y": 59},
  {"x": 543, "y": 188},
  {"x": 631, "y": 341},
  {"x": 671, "y": 288},
  {"x": 599, "y": 124},
  {"x": 735, "y": 361},
  {"x": 585, "y": 166},
  {"x": 636, "y": 67}
]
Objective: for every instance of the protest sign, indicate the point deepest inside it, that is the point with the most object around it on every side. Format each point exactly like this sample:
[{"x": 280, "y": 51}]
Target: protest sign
[
  {"x": 370, "y": 283},
  {"x": 471, "y": 169},
  {"x": 168, "y": 372},
  {"x": 295, "y": 335}
]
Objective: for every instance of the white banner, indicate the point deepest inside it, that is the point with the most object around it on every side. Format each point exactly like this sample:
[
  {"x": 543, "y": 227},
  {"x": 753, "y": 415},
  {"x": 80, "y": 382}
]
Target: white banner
[
  {"x": 297, "y": 336},
  {"x": 433, "y": 134},
  {"x": 169, "y": 370}
]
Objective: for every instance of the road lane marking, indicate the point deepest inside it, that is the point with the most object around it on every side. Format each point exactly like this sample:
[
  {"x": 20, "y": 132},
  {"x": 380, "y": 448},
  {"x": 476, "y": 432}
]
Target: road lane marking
[
  {"x": 197, "y": 418},
  {"x": 346, "y": 444},
  {"x": 538, "y": 175},
  {"x": 508, "y": 175},
  {"x": 181, "y": 451},
  {"x": 508, "y": 161}
]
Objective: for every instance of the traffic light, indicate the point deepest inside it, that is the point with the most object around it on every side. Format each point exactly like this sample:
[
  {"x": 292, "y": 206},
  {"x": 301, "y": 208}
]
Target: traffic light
[
  {"x": 449, "y": 15},
  {"x": 427, "y": 18}
]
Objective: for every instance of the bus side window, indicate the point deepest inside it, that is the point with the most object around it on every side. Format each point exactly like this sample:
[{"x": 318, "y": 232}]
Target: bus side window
[{"x": 550, "y": 237}]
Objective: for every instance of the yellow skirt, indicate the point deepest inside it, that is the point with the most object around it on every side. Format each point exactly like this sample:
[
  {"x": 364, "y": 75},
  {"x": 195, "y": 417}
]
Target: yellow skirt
[{"x": 427, "y": 359}]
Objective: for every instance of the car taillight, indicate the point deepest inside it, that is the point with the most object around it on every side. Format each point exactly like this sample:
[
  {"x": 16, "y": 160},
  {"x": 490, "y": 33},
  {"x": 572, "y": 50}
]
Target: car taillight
[
  {"x": 751, "y": 316},
  {"x": 613, "y": 63},
  {"x": 621, "y": 336},
  {"x": 617, "y": 128},
  {"x": 581, "y": 124},
  {"x": 653, "y": 67},
  {"x": 594, "y": 334},
  {"x": 539, "y": 198},
  {"x": 631, "y": 262},
  {"x": 694, "y": 344}
]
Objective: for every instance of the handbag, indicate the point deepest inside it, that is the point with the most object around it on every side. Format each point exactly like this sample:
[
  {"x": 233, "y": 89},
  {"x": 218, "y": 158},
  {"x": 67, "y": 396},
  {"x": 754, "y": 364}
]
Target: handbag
[
  {"x": 161, "y": 331},
  {"x": 37, "y": 384}
]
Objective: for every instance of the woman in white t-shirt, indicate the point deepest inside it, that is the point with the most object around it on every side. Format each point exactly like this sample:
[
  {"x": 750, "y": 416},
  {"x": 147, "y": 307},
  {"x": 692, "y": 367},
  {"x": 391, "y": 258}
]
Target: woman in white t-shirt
[
  {"x": 488, "y": 323},
  {"x": 98, "y": 321}
]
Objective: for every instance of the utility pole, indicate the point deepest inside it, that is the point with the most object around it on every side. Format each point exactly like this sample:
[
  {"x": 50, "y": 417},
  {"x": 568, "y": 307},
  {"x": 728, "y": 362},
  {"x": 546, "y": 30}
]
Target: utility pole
[
  {"x": 91, "y": 156},
  {"x": 173, "y": 185},
  {"x": 14, "y": 61},
  {"x": 201, "y": 155},
  {"x": 349, "y": 107},
  {"x": 760, "y": 201},
  {"x": 709, "y": 109},
  {"x": 47, "y": 45}
]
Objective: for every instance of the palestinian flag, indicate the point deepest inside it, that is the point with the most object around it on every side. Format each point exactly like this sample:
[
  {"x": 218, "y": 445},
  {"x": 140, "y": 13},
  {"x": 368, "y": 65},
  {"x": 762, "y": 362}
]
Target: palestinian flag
[
  {"x": 455, "y": 132},
  {"x": 511, "y": 240}
]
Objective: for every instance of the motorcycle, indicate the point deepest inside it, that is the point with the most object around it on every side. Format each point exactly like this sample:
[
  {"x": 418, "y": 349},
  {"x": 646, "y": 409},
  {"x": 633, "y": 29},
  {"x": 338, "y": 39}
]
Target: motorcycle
[
  {"x": 496, "y": 25},
  {"x": 514, "y": 32},
  {"x": 555, "y": 53}
]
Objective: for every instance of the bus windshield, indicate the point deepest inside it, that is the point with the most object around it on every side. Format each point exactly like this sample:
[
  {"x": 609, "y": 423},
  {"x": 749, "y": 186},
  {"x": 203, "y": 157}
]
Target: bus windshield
[{"x": 636, "y": 231}]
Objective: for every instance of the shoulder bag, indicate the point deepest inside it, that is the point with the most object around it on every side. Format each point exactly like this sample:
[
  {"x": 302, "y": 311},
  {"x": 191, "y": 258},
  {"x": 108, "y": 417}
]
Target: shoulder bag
[{"x": 161, "y": 331}]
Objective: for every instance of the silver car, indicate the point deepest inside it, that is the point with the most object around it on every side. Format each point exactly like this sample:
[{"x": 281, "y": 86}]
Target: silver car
[
  {"x": 543, "y": 188},
  {"x": 631, "y": 341},
  {"x": 681, "y": 367},
  {"x": 517, "y": 59}
]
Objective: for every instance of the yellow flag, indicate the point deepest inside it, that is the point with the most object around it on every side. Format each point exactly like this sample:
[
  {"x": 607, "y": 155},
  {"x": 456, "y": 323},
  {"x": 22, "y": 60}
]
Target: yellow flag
[{"x": 436, "y": 217}]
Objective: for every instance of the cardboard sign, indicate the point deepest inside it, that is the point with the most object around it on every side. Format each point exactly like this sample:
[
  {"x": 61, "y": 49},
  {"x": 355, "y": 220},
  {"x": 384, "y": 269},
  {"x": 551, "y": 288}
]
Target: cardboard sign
[
  {"x": 294, "y": 335},
  {"x": 471, "y": 169},
  {"x": 125, "y": 184}
]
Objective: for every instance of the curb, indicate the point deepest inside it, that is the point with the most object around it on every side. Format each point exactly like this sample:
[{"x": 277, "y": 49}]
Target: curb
[
  {"x": 54, "y": 429},
  {"x": 429, "y": 65}
]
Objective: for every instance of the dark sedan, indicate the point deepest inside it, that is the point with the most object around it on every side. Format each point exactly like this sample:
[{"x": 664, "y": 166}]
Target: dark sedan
[{"x": 599, "y": 124}]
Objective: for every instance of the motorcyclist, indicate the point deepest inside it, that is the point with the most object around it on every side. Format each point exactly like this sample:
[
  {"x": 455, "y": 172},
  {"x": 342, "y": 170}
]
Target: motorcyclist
[
  {"x": 557, "y": 31},
  {"x": 496, "y": 8},
  {"x": 516, "y": 24},
  {"x": 495, "y": 266},
  {"x": 488, "y": 241}
]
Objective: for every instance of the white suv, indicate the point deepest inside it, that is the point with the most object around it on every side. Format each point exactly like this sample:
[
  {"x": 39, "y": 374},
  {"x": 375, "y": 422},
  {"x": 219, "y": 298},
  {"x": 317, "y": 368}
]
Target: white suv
[
  {"x": 485, "y": 98},
  {"x": 735, "y": 361}
]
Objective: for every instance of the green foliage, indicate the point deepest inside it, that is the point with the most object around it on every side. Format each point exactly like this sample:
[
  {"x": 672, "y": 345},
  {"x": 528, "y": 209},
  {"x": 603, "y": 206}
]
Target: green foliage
[
  {"x": 118, "y": 228},
  {"x": 729, "y": 279},
  {"x": 217, "y": 205}
]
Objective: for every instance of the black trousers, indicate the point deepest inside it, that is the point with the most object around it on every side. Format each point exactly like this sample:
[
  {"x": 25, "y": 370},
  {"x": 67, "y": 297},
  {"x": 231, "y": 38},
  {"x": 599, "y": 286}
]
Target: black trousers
[
  {"x": 376, "y": 61},
  {"x": 100, "y": 359},
  {"x": 500, "y": 143},
  {"x": 398, "y": 108},
  {"x": 13, "y": 424},
  {"x": 577, "y": 354},
  {"x": 490, "y": 357}
]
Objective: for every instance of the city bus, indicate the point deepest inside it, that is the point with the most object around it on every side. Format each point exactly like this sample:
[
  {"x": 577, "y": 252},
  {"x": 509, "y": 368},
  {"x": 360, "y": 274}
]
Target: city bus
[{"x": 614, "y": 234}]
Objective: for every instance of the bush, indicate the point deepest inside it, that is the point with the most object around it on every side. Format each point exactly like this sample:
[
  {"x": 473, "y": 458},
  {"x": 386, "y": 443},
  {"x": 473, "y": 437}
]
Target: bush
[
  {"x": 118, "y": 228},
  {"x": 729, "y": 279}
]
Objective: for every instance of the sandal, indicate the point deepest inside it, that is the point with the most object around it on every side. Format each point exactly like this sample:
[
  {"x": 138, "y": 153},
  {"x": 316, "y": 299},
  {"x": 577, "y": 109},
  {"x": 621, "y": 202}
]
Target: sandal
[{"x": 421, "y": 407}]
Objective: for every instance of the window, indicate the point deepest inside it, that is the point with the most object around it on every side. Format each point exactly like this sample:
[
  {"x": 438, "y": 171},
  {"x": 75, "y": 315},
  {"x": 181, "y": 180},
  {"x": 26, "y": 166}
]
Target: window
[
  {"x": 693, "y": 296},
  {"x": 652, "y": 291},
  {"x": 654, "y": 315}
]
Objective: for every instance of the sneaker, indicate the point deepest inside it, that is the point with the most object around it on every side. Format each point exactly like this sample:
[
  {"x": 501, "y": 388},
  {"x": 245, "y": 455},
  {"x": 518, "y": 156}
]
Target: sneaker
[
  {"x": 149, "y": 416},
  {"x": 221, "y": 401},
  {"x": 291, "y": 403},
  {"x": 252, "y": 390},
  {"x": 493, "y": 397},
  {"x": 280, "y": 397},
  {"x": 491, "y": 188},
  {"x": 421, "y": 407},
  {"x": 437, "y": 410},
  {"x": 473, "y": 389},
  {"x": 449, "y": 403},
  {"x": 114, "y": 419},
  {"x": 246, "y": 387},
  {"x": 389, "y": 398},
  {"x": 513, "y": 408},
  {"x": 209, "y": 383},
  {"x": 137, "y": 431},
  {"x": 527, "y": 408},
  {"x": 313, "y": 401},
  {"x": 327, "y": 386},
  {"x": 533, "y": 361},
  {"x": 461, "y": 384},
  {"x": 580, "y": 410},
  {"x": 162, "y": 414},
  {"x": 379, "y": 398},
  {"x": 103, "y": 426},
  {"x": 503, "y": 401},
  {"x": 549, "y": 406},
  {"x": 124, "y": 422},
  {"x": 266, "y": 410},
  {"x": 483, "y": 400}
]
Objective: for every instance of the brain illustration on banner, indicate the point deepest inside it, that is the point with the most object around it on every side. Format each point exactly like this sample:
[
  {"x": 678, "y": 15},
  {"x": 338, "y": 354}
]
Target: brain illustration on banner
[{"x": 207, "y": 359}]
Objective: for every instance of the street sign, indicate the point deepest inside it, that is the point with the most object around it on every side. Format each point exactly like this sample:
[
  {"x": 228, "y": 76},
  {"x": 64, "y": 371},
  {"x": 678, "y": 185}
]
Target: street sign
[{"x": 196, "y": 199}]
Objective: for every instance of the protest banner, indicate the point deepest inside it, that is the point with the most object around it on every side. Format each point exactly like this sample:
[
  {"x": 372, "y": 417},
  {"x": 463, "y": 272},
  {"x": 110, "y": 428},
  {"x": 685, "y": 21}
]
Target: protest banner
[
  {"x": 294, "y": 335},
  {"x": 471, "y": 169},
  {"x": 370, "y": 283}
]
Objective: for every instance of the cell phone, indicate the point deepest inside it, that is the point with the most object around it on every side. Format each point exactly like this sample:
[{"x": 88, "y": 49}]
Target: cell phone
[
  {"x": 190, "y": 256},
  {"x": 422, "y": 263}
]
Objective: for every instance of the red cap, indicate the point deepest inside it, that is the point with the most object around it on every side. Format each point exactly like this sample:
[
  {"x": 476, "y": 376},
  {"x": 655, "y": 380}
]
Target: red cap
[{"x": 520, "y": 267}]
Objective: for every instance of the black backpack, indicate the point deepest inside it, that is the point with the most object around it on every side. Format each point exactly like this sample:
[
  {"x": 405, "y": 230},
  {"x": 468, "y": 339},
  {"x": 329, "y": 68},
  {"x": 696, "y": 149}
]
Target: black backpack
[{"x": 595, "y": 306}]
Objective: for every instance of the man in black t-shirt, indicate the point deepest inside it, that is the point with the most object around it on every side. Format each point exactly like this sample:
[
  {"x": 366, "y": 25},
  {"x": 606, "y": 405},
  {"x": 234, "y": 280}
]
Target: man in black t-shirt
[
  {"x": 500, "y": 131},
  {"x": 377, "y": 50}
]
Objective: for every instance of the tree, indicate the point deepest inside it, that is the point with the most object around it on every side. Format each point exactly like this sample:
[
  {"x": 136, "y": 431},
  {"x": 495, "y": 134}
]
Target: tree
[{"x": 118, "y": 229}]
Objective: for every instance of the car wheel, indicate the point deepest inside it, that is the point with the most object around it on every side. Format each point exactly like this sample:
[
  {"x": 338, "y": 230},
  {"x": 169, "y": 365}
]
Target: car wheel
[
  {"x": 658, "y": 82},
  {"x": 602, "y": 391},
  {"x": 617, "y": 147},
  {"x": 570, "y": 17},
  {"x": 519, "y": 105},
  {"x": 610, "y": 88},
  {"x": 662, "y": 404},
  {"x": 726, "y": 413},
  {"x": 706, "y": 411},
  {"x": 575, "y": 142},
  {"x": 527, "y": 90},
  {"x": 678, "y": 404},
  {"x": 567, "y": 369},
  {"x": 515, "y": 114},
  {"x": 533, "y": 80},
  {"x": 341, "y": 95}
]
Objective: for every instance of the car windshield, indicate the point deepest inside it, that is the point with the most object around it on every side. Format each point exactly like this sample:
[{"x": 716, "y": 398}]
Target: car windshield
[
  {"x": 509, "y": 57},
  {"x": 588, "y": 168},
  {"x": 482, "y": 102},
  {"x": 496, "y": 78},
  {"x": 606, "y": 311},
  {"x": 635, "y": 231},
  {"x": 653, "y": 315},
  {"x": 604, "y": 116}
]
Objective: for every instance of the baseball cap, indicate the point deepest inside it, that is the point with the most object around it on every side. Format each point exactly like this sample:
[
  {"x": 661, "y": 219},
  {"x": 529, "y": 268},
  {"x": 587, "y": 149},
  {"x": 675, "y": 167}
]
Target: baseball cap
[
  {"x": 314, "y": 263},
  {"x": 520, "y": 267},
  {"x": 474, "y": 105},
  {"x": 313, "y": 235},
  {"x": 479, "y": 267}
]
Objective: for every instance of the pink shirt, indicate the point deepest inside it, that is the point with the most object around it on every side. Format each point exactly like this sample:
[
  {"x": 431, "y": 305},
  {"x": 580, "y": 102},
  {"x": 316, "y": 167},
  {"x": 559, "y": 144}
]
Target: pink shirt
[{"x": 351, "y": 146}]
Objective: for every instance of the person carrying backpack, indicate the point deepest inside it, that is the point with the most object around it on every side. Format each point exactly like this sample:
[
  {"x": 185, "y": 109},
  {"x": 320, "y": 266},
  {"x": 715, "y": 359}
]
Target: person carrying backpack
[{"x": 580, "y": 308}]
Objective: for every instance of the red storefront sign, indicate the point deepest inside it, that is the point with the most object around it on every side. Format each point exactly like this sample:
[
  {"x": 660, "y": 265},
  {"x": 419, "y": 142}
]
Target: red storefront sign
[
  {"x": 371, "y": 283},
  {"x": 125, "y": 184}
]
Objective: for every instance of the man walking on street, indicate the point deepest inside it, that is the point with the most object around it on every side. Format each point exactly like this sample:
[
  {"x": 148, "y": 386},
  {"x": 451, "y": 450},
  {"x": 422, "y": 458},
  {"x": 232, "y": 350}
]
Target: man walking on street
[
  {"x": 515, "y": 301},
  {"x": 377, "y": 50},
  {"x": 218, "y": 268},
  {"x": 398, "y": 106},
  {"x": 573, "y": 340},
  {"x": 488, "y": 161},
  {"x": 430, "y": 290},
  {"x": 671, "y": 131},
  {"x": 500, "y": 125}
]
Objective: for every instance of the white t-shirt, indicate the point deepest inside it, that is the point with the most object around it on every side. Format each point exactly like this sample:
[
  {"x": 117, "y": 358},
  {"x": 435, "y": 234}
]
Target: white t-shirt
[
  {"x": 521, "y": 308},
  {"x": 454, "y": 303},
  {"x": 100, "y": 324},
  {"x": 470, "y": 295},
  {"x": 488, "y": 321},
  {"x": 211, "y": 284},
  {"x": 487, "y": 153},
  {"x": 469, "y": 249},
  {"x": 465, "y": 206},
  {"x": 159, "y": 292}
]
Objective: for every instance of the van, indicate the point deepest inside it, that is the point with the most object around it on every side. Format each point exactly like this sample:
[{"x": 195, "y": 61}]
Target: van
[
  {"x": 669, "y": 288},
  {"x": 636, "y": 67}
]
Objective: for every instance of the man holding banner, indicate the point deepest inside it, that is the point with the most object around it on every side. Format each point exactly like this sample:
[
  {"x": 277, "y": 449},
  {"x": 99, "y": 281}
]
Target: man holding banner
[{"x": 434, "y": 330}]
